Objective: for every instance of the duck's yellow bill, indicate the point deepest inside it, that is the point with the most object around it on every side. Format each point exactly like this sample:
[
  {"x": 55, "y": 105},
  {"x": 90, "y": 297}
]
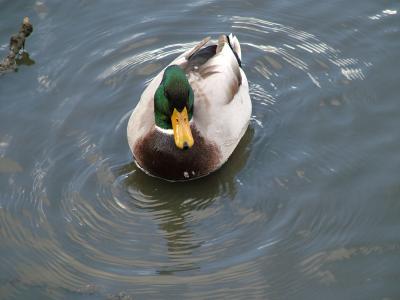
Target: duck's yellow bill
[{"x": 182, "y": 133}]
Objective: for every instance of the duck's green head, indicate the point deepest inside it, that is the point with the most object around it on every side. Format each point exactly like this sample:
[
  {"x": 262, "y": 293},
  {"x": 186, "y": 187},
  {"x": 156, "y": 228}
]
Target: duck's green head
[{"x": 173, "y": 106}]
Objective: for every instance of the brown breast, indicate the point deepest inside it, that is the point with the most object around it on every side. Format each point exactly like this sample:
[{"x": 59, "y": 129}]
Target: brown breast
[{"x": 157, "y": 154}]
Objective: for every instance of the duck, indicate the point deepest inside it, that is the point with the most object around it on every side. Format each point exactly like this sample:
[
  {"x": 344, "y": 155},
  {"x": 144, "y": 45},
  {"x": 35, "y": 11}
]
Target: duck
[{"x": 193, "y": 114}]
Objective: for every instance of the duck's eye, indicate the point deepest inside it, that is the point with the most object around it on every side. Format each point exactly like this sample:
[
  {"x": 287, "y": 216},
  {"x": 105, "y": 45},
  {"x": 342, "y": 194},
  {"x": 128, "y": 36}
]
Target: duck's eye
[{"x": 177, "y": 120}]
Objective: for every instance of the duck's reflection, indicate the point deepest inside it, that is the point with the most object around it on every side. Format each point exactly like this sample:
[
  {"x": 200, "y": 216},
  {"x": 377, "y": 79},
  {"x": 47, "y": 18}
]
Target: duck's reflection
[{"x": 174, "y": 205}]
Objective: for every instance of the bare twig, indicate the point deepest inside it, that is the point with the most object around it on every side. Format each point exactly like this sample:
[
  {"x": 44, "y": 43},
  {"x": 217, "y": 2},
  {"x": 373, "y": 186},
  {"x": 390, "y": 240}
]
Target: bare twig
[{"x": 17, "y": 42}]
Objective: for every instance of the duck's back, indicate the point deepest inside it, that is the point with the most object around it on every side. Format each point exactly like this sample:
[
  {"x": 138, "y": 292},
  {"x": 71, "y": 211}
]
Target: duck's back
[{"x": 222, "y": 101}]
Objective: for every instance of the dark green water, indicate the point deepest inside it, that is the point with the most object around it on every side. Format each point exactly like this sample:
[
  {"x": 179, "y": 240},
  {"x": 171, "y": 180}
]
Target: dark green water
[{"x": 308, "y": 206}]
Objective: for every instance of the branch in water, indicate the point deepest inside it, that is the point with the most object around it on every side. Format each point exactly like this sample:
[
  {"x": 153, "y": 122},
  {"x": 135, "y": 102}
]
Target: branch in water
[{"x": 17, "y": 42}]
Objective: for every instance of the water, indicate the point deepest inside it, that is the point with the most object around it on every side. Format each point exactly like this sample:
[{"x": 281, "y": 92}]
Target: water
[{"x": 306, "y": 208}]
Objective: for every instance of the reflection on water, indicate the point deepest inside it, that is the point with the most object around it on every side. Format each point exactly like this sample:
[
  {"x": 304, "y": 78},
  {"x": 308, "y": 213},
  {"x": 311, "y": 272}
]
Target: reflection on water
[
  {"x": 172, "y": 203},
  {"x": 304, "y": 209},
  {"x": 24, "y": 59}
]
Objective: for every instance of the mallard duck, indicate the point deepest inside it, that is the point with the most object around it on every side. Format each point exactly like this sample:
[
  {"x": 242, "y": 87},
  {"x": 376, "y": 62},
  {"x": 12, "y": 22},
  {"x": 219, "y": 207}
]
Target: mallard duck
[{"x": 193, "y": 114}]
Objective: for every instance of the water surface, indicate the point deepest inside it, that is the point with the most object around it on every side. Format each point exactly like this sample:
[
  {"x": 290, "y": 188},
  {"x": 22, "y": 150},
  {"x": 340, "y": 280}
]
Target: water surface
[{"x": 306, "y": 208}]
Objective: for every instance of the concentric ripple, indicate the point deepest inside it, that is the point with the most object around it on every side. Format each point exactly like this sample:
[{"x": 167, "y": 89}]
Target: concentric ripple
[{"x": 77, "y": 211}]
